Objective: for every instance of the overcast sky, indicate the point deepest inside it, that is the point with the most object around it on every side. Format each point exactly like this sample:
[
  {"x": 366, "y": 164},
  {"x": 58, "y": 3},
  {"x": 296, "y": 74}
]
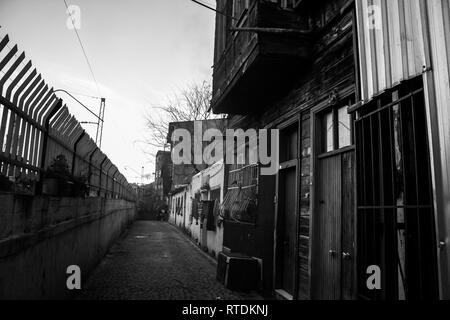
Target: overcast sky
[{"x": 140, "y": 51}]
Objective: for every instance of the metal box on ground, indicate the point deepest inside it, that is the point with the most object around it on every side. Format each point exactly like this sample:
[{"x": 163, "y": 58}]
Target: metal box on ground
[{"x": 237, "y": 272}]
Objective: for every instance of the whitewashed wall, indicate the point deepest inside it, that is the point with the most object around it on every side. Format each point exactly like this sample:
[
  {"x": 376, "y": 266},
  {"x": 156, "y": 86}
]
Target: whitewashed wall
[
  {"x": 217, "y": 179},
  {"x": 214, "y": 239},
  {"x": 173, "y": 217},
  {"x": 194, "y": 226}
]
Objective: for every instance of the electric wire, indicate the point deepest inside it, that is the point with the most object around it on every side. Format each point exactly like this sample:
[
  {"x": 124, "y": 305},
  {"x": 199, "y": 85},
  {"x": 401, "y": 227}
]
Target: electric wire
[{"x": 82, "y": 48}]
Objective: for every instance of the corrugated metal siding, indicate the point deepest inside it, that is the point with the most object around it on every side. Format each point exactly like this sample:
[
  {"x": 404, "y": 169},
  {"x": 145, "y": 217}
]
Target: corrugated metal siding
[
  {"x": 438, "y": 90},
  {"x": 391, "y": 50},
  {"x": 414, "y": 39}
]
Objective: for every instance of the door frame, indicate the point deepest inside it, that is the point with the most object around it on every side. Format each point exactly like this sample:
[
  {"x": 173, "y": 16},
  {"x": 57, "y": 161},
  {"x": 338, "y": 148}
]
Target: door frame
[
  {"x": 286, "y": 165},
  {"x": 316, "y": 144}
]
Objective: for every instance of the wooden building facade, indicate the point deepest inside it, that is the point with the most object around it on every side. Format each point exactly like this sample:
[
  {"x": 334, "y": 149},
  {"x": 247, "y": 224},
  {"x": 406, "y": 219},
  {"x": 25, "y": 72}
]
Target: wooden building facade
[
  {"x": 354, "y": 89},
  {"x": 294, "y": 71}
]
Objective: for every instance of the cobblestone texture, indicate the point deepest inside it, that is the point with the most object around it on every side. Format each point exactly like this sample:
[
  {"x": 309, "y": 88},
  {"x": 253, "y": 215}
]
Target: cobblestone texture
[{"x": 156, "y": 261}]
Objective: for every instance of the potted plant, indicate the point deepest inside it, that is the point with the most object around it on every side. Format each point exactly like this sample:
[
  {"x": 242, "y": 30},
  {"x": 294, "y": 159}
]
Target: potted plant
[{"x": 57, "y": 177}]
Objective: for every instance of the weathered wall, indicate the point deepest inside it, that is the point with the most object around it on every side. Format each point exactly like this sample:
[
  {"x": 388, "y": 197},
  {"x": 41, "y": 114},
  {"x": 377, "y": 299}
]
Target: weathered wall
[
  {"x": 182, "y": 219},
  {"x": 41, "y": 236}
]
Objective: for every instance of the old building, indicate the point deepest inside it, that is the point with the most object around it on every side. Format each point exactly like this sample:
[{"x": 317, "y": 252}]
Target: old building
[
  {"x": 195, "y": 208},
  {"x": 163, "y": 174},
  {"x": 183, "y": 171},
  {"x": 357, "y": 90},
  {"x": 198, "y": 187}
]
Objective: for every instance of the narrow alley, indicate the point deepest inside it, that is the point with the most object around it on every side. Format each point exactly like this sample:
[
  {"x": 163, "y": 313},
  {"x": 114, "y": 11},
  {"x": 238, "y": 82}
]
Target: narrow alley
[
  {"x": 199, "y": 150},
  {"x": 156, "y": 261}
]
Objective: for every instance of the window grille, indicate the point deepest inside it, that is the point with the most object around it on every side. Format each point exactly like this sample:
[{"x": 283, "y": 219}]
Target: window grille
[{"x": 394, "y": 199}]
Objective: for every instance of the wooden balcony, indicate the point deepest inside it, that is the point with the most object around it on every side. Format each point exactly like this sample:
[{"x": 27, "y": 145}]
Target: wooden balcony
[{"x": 260, "y": 64}]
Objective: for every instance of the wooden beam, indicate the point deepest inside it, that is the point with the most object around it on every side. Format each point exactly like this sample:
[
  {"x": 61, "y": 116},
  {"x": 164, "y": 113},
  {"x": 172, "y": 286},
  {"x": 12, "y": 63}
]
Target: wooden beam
[{"x": 272, "y": 30}]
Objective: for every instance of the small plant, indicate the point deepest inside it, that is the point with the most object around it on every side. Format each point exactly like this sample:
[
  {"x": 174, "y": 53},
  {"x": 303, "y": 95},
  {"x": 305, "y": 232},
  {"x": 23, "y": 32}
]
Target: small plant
[
  {"x": 59, "y": 168},
  {"x": 60, "y": 182}
]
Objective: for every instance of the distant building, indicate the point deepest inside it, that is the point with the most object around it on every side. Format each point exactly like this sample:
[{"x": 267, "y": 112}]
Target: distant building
[
  {"x": 183, "y": 173},
  {"x": 194, "y": 208},
  {"x": 163, "y": 174}
]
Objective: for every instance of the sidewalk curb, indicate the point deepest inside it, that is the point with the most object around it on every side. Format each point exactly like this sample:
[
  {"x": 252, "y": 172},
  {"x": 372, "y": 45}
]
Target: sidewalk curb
[{"x": 191, "y": 241}]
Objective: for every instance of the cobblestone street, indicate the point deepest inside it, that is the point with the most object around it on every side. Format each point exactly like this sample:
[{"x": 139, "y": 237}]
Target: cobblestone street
[{"x": 156, "y": 261}]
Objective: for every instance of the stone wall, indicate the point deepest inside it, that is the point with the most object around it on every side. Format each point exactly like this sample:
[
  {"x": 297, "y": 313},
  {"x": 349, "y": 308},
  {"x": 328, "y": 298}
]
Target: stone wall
[{"x": 41, "y": 236}]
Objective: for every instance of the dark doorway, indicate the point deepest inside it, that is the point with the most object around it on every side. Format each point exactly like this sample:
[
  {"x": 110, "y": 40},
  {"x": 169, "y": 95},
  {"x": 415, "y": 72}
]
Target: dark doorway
[{"x": 287, "y": 208}]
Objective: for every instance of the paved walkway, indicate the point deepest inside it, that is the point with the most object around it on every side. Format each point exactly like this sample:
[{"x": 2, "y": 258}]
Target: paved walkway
[{"x": 156, "y": 261}]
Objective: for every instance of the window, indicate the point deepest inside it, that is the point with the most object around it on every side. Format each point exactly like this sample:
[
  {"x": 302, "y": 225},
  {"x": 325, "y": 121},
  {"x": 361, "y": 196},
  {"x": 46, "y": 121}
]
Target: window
[
  {"x": 344, "y": 131},
  {"x": 336, "y": 129},
  {"x": 329, "y": 132}
]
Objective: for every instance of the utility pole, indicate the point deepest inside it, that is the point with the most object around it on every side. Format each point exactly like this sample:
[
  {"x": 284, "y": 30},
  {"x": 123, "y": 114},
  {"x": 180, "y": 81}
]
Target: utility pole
[
  {"x": 101, "y": 120},
  {"x": 100, "y": 117}
]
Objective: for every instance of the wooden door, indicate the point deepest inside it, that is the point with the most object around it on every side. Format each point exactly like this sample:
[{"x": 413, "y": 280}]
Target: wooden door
[
  {"x": 348, "y": 249},
  {"x": 334, "y": 263},
  {"x": 286, "y": 239},
  {"x": 286, "y": 233},
  {"x": 329, "y": 228}
]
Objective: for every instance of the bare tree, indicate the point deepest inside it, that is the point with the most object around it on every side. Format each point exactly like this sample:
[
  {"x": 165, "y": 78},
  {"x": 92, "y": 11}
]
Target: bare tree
[{"x": 190, "y": 104}]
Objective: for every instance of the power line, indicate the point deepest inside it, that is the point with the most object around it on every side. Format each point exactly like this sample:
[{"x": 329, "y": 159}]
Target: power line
[
  {"x": 211, "y": 8},
  {"x": 84, "y": 95},
  {"x": 82, "y": 47}
]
